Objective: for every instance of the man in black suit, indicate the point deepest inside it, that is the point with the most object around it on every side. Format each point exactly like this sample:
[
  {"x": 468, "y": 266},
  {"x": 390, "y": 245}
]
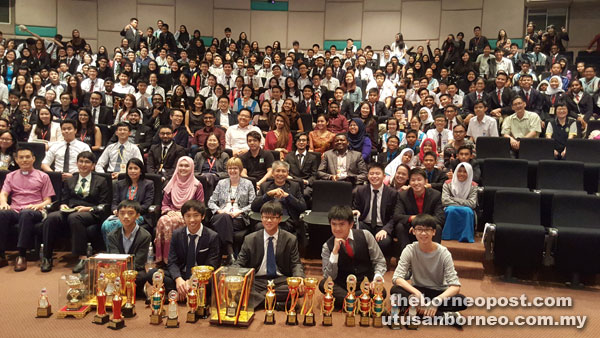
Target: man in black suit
[
  {"x": 378, "y": 108},
  {"x": 415, "y": 201},
  {"x": 162, "y": 158},
  {"x": 468, "y": 107},
  {"x": 132, "y": 34},
  {"x": 273, "y": 253},
  {"x": 303, "y": 165},
  {"x": 435, "y": 176},
  {"x": 392, "y": 145},
  {"x": 100, "y": 114},
  {"x": 167, "y": 38},
  {"x": 308, "y": 105},
  {"x": 141, "y": 135},
  {"x": 226, "y": 41},
  {"x": 346, "y": 107},
  {"x": 158, "y": 115},
  {"x": 500, "y": 99},
  {"x": 374, "y": 204},
  {"x": 71, "y": 60},
  {"x": 534, "y": 100},
  {"x": 81, "y": 194},
  {"x": 338, "y": 72}
]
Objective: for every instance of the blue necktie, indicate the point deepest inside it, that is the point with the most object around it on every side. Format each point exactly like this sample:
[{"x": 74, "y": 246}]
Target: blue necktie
[
  {"x": 190, "y": 262},
  {"x": 271, "y": 264}
]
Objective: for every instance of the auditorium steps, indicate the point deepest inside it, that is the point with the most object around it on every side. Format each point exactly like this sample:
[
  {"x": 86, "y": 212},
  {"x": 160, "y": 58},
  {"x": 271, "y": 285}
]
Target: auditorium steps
[{"x": 469, "y": 258}]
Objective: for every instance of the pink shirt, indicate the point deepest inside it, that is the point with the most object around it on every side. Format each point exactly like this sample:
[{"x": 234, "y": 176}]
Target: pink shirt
[{"x": 27, "y": 189}]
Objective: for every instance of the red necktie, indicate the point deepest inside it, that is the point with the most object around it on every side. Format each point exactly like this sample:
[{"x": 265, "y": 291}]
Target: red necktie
[
  {"x": 374, "y": 109},
  {"x": 527, "y": 97},
  {"x": 348, "y": 248},
  {"x": 308, "y": 107},
  {"x": 500, "y": 97}
]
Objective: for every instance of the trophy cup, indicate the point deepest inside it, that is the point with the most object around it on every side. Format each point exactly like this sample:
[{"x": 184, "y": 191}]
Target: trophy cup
[
  {"x": 328, "y": 302},
  {"x": 310, "y": 285},
  {"x": 233, "y": 284},
  {"x": 192, "y": 301},
  {"x": 270, "y": 304},
  {"x": 74, "y": 293},
  {"x": 157, "y": 298},
  {"x": 293, "y": 285},
  {"x": 129, "y": 307},
  {"x": 350, "y": 300},
  {"x": 203, "y": 274},
  {"x": 117, "y": 322},
  {"x": 395, "y": 313},
  {"x": 364, "y": 302},
  {"x": 44, "y": 309},
  {"x": 377, "y": 301},
  {"x": 73, "y": 290},
  {"x": 172, "y": 317},
  {"x": 101, "y": 316}
]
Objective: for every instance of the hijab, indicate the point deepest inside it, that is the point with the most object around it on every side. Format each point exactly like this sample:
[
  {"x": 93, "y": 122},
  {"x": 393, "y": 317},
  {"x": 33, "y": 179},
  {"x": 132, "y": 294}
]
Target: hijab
[
  {"x": 390, "y": 169},
  {"x": 429, "y": 116},
  {"x": 182, "y": 189},
  {"x": 356, "y": 140},
  {"x": 462, "y": 189},
  {"x": 552, "y": 91},
  {"x": 422, "y": 150}
]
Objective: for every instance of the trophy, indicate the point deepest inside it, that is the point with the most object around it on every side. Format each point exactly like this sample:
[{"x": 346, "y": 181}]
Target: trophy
[
  {"x": 350, "y": 300},
  {"x": 203, "y": 274},
  {"x": 192, "y": 301},
  {"x": 74, "y": 293},
  {"x": 117, "y": 322},
  {"x": 233, "y": 284},
  {"x": 377, "y": 301},
  {"x": 270, "y": 303},
  {"x": 101, "y": 316},
  {"x": 412, "y": 313},
  {"x": 73, "y": 289},
  {"x": 230, "y": 301},
  {"x": 44, "y": 309},
  {"x": 129, "y": 307},
  {"x": 172, "y": 317},
  {"x": 310, "y": 285},
  {"x": 157, "y": 298},
  {"x": 328, "y": 302},
  {"x": 293, "y": 285},
  {"x": 364, "y": 302},
  {"x": 395, "y": 313}
]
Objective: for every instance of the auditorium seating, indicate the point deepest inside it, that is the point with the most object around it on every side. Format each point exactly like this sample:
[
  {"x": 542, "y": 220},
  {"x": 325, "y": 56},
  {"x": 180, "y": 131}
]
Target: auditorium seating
[{"x": 492, "y": 147}]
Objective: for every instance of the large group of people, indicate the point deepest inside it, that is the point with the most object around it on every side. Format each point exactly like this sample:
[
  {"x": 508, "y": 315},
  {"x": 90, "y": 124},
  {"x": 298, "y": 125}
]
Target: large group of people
[{"x": 231, "y": 128}]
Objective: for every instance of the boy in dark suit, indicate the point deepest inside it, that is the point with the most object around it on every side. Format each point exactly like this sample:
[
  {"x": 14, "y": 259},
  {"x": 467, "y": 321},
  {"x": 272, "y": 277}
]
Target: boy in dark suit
[
  {"x": 303, "y": 165},
  {"x": 162, "y": 157}
]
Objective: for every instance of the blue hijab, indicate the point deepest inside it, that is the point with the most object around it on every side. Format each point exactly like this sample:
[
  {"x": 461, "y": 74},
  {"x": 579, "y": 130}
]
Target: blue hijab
[{"x": 356, "y": 141}]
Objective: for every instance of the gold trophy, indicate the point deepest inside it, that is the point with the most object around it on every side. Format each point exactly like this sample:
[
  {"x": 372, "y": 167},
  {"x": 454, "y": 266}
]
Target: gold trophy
[
  {"x": 350, "y": 300},
  {"x": 270, "y": 303},
  {"x": 364, "y": 301},
  {"x": 117, "y": 322},
  {"x": 233, "y": 284},
  {"x": 129, "y": 307},
  {"x": 293, "y": 285},
  {"x": 172, "y": 316},
  {"x": 377, "y": 301},
  {"x": 327, "y": 306},
  {"x": 203, "y": 273},
  {"x": 44, "y": 309},
  {"x": 157, "y": 298},
  {"x": 74, "y": 293},
  {"x": 192, "y": 300},
  {"x": 101, "y": 316},
  {"x": 310, "y": 285}
]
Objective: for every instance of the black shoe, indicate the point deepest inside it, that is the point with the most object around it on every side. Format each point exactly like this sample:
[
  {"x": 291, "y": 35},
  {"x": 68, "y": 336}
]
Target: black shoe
[
  {"x": 46, "y": 264},
  {"x": 80, "y": 266}
]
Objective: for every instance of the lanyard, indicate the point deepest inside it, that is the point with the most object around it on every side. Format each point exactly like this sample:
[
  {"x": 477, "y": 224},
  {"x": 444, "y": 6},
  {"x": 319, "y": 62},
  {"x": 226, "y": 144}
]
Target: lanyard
[
  {"x": 82, "y": 136},
  {"x": 44, "y": 133},
  {"x": 211, "y": 164},
  {"x": 131, "y": 193}
]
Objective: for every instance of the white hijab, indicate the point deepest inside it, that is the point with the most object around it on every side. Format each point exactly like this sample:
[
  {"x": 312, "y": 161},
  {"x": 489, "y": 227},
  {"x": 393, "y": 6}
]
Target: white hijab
[
  {"x": 462, "y": 189},
  {"x": 552, "y": 91},
  {"x": 390, "y": 169},
  {"x": 429, "y": 116}
]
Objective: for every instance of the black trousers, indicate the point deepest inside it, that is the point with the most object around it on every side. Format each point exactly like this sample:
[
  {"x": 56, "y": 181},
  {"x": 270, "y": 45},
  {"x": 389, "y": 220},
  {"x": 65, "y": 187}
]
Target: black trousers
[
  {"x": 225, "y": 226},
  {"x": 405, "y": 238},
  {"x": 447, "y": 306},
  {"x": 340, "y": 292},
  {"x": 57, "y": 221},
  {"x": 385, "y": 244},
  {"x": 26, "y": 220}
]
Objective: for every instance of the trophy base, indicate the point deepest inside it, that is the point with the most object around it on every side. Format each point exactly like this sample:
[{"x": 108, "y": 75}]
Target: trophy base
[
  {"x": 77, "y": 313},
  {"x": 155, "y": 319},
  {"x": 350, "y": 321},
  {"x": 128, "y": 312},
  {"x": 364, "y": 321},
  {"x": 100, "y": 319},
  {"x": 116, "y": 324},
  {"x": 44, "y": 312},
  {"x": 219, "y": 317},
  {"x": 292, "y": 319},
  {"x": 269, "y": 318},
  {"x": 203, "y": 312},
  {"x": 172, "y": 323},
  {"x": 192, "y": 317},
  {"x": 377, "y": 321},
  {"x": 327, "y": 320},
  {"x": 309, "y": 320}
]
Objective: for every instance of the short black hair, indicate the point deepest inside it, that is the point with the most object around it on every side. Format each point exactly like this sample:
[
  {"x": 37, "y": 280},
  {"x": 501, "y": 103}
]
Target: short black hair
[
  {"x": 469, "y": 148},
  {"x": 375, "y": 165},
  {"x": 135, "y": 205},
  {"x": 418, "y": 171},
  {"x": 272, "y": 208},
  {"x": 88, "y": 155},
  {"x": 425, "y": 220},
  {"x": 340, "y": 213},
  {"x": 193, "y": 205},
  {"x": 68, "y": 121},
  {"x": 254, "y": 134}
]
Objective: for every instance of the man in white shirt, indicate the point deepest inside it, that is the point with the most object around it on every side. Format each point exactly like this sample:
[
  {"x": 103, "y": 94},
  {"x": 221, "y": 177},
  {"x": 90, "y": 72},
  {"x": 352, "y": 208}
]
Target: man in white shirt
[
  {"x": 440, "y": 134},
  {"x": 116, "y": 155},
  {"x": 227, "y": 79},
  {"x": 276, "y": 99},
  {"x": 235, "y": 137},
  {"x": 92, "y": 83},
  {"x": 276, "y": 73},
  {"x": 499, "y": 63},
  {"x": 63, "y": 154},
  {"x": 482, "y": 125},
  {"x": 330, "y": 82},
  {"x": 303, "y": 79},
  {"x": 384, "y": 87},
  {"x": 123, "y": 87},
  {"x": 54, "y": 84},
  {"x": 143, "y": 98},
  {"x": 252, "y": 80}
]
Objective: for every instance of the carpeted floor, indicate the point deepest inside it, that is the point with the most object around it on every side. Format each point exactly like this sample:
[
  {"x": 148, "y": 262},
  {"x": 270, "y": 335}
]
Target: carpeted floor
[{"x": 20, "y": 291}]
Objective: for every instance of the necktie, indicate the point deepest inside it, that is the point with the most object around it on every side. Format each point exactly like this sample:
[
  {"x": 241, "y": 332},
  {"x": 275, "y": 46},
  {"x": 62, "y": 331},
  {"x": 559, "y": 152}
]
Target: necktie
[
  {"x": 300, "y": 156},
  {"x": 527, "y": 97},
  {"x": 374, "y": 209},
  {"x": 164, "y": 153},
  {"x": 95, "y": 115},
  {"x": 92, "y": 86},
  {"x": 119, "y": 159},
  {"x": 82, "y": 187},
  {"x": 271, "y": 263},
  {"x": 190, "y": 261},
  {"x": 276, "y": 106},
  {"x": 374, "y": 109},
  {"x": 478, "y": 96},
  {"x": 227, "y": 78},
  {"x": 576, "y": 98},
  {"x": 450, "y": 125},
  {"x": 348, "y": 248},
  {"x": 307, "y": 107},
  {"x": 66, "y": 160},
  {"x": 439, "y": 142},
  {"x": 499, "y": 97}
]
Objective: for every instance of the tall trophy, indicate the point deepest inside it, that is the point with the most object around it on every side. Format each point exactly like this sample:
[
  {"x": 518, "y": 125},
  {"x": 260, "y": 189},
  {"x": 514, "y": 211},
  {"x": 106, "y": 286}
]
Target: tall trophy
[
  {"x": 172, "y": 316},
  {"x": 293, "y": 285},
  {"x": 203, "y": 274},
  {"x": 310, "y": 285},
  {"x": 364, "y": 301},
  {"x": 377, "y": 301},
  {"x": 233, "y": 284},
  {"x": 157, "y": 298},
  {"x": 129, "y": 307},
  {"x": 192, "y": 302},
  {"x": 117, "y": 321},
  {"x": 270, "y": 303},
  {"x": 101, "y": 316},
  {"x": 350, "y": 300},
  {"x": 230, "y": 300},
  {"x": 327, "y": 305},
  {"x": 44, "y": 309}
]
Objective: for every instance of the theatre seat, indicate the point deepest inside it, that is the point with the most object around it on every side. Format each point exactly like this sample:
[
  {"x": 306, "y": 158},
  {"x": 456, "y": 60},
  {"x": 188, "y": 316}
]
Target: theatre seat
[{"x": 492, "y": 147}]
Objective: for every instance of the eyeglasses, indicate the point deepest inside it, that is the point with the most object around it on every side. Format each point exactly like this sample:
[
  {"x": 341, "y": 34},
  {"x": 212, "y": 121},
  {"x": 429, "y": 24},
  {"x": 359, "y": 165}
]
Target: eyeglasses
[
  {"x": 6, "y": 139},
  {"x": 270, "y": 217},
  {"x": 422, "y": 230}
]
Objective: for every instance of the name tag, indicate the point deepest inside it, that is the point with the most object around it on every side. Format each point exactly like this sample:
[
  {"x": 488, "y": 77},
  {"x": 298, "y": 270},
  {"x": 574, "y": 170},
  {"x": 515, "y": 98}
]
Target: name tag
[
  {"x": 551, "y": 112},
  {"x": 123, "y": 168},
  {"x": 261, "y": 160}
]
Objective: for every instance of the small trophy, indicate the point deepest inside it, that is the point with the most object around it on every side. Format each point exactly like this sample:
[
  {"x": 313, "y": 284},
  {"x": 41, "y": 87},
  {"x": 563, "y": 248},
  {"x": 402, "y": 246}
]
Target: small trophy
[
  {"x": 270, "y": 304},
  {"x": 172, "y": 317},
  {"x": 310, "y": 285},
  {"x": 157, "y": 298},
  {"x": 203, "y": 273},
  {"x": 327, "y": 306},
  {"x": 377, "y": 301},
  {"x": 44, "y": 309},
  {"x": 101, "y": 316},
  {"x": 117, "y": 321},
  {"x": 412, "y": 313},
  {"x": 395, "y": 313},
  {"x": 129, "y": 307},
  {"x": 293, "y": 285},
  {"x": 233, "y": 284},
  {"x": 364, "y": 301},
  {"x": 192, "y": 301},
  {"x": 350, "y": 301}
]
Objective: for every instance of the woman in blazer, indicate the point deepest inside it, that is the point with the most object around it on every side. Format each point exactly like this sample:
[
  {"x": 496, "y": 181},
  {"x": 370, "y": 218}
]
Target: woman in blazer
[
  {"x": 45, "y": 130},
  {"x": 212, "y": 162}
]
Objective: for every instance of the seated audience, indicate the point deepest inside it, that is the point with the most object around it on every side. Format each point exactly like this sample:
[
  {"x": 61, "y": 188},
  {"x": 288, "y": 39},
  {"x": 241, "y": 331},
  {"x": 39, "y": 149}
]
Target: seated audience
[
  {"x": 162, "y": 157},
  {"x": 115, "y": 156},
  {"x": 459, "y": 198},
  {"x": 358, "y": 140},
  {"x": 342, "y": 164},
  {"x": 235, "y": 137},
  {"x": 521, "y": 124},
  {"x": 560, "y": 129},
  {"x": 62, "y": 155},
  {"x": 257, "y": 162}
]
